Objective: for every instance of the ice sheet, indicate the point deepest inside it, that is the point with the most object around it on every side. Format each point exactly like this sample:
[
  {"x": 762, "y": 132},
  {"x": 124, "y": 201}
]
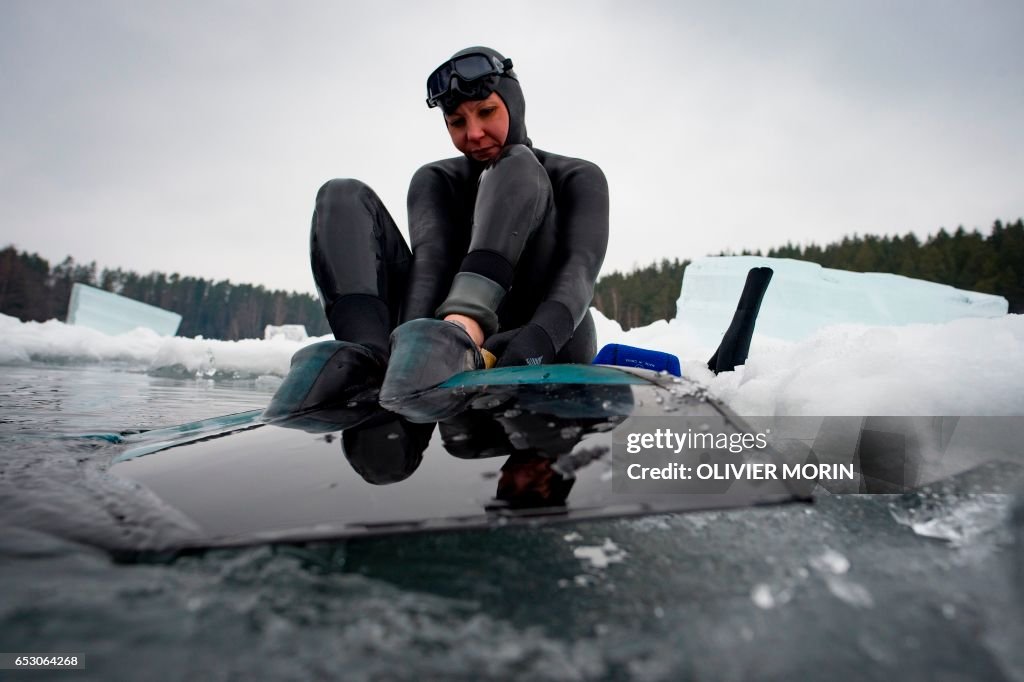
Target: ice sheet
[
  {"x": 113, "y": 314},
  {"x": 291, "y": 332},
  {"x": 804, "y": 297}
]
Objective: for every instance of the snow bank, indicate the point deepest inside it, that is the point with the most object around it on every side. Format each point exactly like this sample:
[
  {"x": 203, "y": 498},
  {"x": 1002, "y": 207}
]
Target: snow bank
[
  {"x": 229, "y": 359},
  {"x": 935, "y": 366},
  {"x": 964, "y": 367},
  {"x": 54, "y": 341},
  {"x": 144, "y": 350}
]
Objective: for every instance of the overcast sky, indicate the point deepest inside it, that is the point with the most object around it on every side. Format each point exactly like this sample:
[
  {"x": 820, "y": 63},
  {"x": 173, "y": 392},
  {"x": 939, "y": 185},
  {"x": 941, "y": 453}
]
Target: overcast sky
[{"x": 192, "y": 137}]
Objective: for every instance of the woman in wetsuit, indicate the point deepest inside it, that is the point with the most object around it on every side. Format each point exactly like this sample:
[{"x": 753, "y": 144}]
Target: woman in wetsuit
[{"x": 507, "y": 241}]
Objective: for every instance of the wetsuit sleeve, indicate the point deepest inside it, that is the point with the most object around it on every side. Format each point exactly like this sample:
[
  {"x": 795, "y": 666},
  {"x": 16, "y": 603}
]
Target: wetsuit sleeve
[
  {"x": 581, "y": 199},
  {"x": 435, "y": 216}
]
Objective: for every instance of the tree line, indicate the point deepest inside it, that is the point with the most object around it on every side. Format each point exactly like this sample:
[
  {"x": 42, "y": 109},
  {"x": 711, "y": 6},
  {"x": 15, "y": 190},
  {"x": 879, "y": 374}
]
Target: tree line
[
  {"x": 640, "y": 297},
  {"x": 992, "y": 264},
  {"x": 30, "y": 289}
]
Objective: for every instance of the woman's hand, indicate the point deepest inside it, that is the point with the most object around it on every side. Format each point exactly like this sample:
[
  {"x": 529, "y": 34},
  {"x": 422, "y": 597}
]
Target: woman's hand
[
  {"x": 526, "y": 345},
  {"x": 471, "y": 326}
]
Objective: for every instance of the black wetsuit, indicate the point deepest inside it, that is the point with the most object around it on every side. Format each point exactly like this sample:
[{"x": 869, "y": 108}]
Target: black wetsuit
[{"x": 515, "y": 244}]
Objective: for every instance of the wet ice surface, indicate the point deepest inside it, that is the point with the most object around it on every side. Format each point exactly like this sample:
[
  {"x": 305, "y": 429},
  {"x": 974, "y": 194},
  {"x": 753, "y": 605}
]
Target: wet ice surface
[{"x": 920, "y": 586}]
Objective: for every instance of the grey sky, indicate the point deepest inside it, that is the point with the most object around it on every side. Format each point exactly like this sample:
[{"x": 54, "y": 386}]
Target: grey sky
[{"x": 192, "y": 137}]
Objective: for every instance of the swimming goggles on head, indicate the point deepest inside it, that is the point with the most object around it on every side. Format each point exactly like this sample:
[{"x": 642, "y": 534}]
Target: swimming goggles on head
[{"x": 474, "y": 80}]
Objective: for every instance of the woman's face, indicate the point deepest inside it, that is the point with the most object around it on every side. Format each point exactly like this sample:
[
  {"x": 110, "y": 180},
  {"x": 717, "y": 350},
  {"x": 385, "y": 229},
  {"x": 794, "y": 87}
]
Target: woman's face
[{"x": 479, "y": 128}]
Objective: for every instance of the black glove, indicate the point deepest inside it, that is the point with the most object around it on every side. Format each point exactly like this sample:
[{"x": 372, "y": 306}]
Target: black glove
[{"x": 526, "y": 345}]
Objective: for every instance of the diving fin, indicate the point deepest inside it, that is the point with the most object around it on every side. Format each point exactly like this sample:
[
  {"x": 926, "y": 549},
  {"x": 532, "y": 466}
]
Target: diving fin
[{"x": 735, "y": 345}]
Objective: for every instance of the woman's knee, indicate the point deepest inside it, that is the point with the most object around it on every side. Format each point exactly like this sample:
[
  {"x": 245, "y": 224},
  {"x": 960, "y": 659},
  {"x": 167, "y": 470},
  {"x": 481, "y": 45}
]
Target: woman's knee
[
  {"x": 517, "y": 151},
  {"x": 341, "y": 192},
  {"x": 516, "y": 160},
  {"x": 517, "y": 177},
  {"x": 346, "y": 207}
]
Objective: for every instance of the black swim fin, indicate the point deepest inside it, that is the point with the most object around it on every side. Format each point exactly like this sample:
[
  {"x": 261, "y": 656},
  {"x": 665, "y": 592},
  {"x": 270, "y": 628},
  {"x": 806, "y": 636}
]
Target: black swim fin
[
  {"x": 331, "y": 385},
  {"x": 735, "y": 345}
]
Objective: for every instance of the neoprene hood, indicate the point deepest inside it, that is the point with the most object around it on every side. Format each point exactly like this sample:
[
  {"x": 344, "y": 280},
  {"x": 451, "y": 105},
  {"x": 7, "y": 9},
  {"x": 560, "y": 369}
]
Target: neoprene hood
[{"x": 507, "y": 87}]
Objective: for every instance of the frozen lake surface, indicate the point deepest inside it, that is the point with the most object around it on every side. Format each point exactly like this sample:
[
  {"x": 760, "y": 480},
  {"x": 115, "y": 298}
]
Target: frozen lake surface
[{"x": 921, "y": 586}]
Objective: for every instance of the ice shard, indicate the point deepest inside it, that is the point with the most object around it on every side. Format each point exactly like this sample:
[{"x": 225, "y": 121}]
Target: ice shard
[
  {"x": 113, "y": 314},
  {"x": 803, "y": 297}
]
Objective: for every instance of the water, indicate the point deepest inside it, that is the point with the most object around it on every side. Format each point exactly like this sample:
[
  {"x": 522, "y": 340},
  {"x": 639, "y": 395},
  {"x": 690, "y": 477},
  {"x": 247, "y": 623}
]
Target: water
[{"x": 845, "y": 587}]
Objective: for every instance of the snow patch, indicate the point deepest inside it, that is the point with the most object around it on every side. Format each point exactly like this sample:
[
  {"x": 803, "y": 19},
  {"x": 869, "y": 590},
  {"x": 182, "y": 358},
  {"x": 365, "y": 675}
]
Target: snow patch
[{"x": 600, "y": 556}]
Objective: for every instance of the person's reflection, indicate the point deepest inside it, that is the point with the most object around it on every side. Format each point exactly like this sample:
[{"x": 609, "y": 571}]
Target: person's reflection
[
  {"x": 529, "y": 480},
  {"x": 539, "y": 445},
  {"x": 381, "y": 446},
  {"x": 385, "y": 448},
  {"x": 528, "y": 477}
]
